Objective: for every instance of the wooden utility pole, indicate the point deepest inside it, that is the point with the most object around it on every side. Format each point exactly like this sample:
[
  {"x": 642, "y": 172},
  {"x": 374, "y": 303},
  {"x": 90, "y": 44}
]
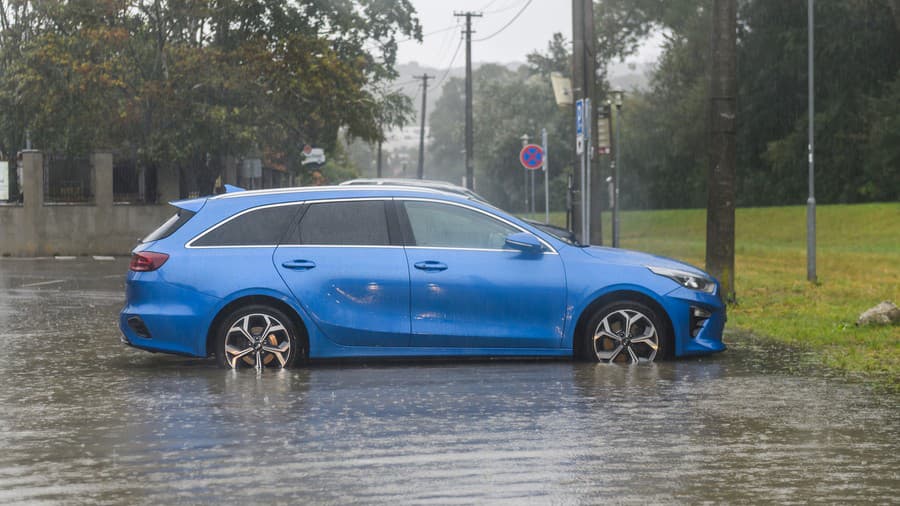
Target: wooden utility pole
[
  {"x": 721, "y": 178},
  {"x": 470, "y": 151},
  {"x": 420, "y": 172},
  {"x": 584, "y": 72}
]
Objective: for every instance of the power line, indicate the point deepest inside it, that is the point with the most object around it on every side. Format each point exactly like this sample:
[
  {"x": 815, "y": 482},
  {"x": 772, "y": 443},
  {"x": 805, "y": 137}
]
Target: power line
[
  {"x": 511, "y": 5},
  {"x": 442, "y": 30},
  {"x": 511, "y": 21},
  {"x": 450, "y": 65}
]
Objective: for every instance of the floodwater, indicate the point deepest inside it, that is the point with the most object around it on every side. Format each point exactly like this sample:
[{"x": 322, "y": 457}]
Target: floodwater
[{"x": 86, "y": 420}]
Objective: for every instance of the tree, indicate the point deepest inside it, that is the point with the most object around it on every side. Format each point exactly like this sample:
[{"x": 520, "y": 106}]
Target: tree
[
  {"x": 187, "y": 85},
  {"x": 721, "y": 181}
]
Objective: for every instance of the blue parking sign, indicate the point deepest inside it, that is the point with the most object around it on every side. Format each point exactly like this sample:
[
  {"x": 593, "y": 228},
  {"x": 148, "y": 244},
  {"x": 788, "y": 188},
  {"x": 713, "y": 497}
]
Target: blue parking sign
[{"x": 579, "y": 117}]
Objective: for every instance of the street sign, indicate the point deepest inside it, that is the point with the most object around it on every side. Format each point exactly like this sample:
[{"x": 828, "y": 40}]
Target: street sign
[
  {"x": 531, "y": 157},
  {"x": 579, "y": 126},
  {"x": 603, "y": 142},
  {"x": 562, "y": 88},
  {"x": 579, "y": 117}
]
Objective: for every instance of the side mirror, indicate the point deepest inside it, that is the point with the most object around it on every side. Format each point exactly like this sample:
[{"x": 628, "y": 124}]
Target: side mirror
[{"x": 524, "y": 242}]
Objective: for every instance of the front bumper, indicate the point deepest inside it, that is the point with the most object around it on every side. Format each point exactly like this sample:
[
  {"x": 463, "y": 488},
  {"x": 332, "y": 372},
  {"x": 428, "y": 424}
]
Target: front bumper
[{"x": 680, "y": 304}]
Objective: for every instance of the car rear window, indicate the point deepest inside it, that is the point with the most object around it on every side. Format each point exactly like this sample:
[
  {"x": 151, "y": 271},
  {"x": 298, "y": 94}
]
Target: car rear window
[
  {"x": 170, "y": 226},
  {"x": 264, "y": 226}
]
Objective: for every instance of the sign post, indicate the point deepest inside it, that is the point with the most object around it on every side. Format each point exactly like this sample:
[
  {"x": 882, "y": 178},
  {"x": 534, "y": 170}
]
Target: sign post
[
  {"x": 532, "y": 158},
  {"x": 583, "y": 148},
  {"x": 546, "y": 176}
]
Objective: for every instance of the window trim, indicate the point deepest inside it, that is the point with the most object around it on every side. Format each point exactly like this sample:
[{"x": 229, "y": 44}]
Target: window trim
[
  {"x": 409, "y": 239},
  {"x": 190, "y": 243}
]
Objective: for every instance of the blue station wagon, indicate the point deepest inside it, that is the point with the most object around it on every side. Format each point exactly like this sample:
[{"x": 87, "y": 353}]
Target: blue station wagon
[{"x": 271, "y": 278}]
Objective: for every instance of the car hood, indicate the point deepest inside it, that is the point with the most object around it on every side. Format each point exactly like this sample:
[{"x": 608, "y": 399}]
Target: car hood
[{"x": 618, "y": 256}]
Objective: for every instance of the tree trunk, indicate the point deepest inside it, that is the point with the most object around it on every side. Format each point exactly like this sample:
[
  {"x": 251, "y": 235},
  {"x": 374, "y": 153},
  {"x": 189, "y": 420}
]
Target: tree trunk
[{"x": 721, "y": 179}]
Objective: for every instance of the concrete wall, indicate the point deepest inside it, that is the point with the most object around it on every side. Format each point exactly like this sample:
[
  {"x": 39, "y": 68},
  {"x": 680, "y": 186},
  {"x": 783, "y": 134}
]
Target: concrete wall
[{"x": 101, "y": 228}]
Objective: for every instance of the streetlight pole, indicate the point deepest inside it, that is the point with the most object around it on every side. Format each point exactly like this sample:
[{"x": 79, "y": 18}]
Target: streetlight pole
[
  {"x": 617, "y": 168},
  {"x": 811, "y": 201}
]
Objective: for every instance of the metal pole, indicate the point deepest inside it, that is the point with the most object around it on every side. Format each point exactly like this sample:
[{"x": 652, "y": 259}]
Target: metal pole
[
  {"x": 420, "y": 171},
  {"x": 618, "y": 135},
  {"x": 546, "y": 168},
  {"x": 811, "y": 201},
  {"x": 588, "y": 147},
  {"x": 378, "y": 167}
]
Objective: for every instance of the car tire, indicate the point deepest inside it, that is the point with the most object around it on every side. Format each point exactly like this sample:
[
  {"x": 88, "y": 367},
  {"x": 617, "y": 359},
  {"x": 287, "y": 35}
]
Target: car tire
[
  {"x": 256, "y": 336},
  {"x": 625, "y": 332}
]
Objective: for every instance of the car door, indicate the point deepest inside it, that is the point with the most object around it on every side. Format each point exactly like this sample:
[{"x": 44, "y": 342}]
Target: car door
[
  {"x": 468, "y": 289},
  {"x": 343, "y": 267}
]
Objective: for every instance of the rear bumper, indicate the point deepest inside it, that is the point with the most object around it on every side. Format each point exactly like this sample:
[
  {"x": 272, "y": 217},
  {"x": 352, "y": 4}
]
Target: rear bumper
[{"x": 176, "y": 319}]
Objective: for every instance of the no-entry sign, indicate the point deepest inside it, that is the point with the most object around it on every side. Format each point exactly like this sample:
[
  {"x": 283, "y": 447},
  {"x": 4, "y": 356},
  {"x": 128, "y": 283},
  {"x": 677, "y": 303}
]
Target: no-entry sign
[{"x": 532, "y": 157}]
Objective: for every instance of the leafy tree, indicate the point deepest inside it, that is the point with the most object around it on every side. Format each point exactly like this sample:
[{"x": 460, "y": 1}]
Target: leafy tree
[{"x": 188, "y": 84}]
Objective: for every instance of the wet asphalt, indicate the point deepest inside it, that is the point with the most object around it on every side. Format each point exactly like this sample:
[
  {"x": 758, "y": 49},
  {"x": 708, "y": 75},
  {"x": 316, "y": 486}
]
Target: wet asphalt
[{"x": 87, "y": 420}]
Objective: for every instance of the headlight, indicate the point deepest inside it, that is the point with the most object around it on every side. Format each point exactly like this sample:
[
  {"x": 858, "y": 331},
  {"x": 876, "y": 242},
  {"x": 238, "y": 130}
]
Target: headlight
[{"x": 686, "y": 279}]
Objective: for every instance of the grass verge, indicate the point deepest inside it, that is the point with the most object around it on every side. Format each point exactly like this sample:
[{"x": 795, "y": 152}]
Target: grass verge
[{"x": 858, "y": 266}]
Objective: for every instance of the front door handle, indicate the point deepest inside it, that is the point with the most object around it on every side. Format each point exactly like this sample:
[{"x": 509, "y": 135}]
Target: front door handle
[
  {"x": 431, "y": 266},
  {"x": 299, "y": 265}
]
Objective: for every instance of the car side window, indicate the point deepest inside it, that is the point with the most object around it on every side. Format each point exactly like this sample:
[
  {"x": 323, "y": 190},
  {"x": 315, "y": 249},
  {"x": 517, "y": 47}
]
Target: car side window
[
  {"x": 439, "y": 225},
  {"x": 258, "y": 227},
  {"x": 348, "y": 223}
]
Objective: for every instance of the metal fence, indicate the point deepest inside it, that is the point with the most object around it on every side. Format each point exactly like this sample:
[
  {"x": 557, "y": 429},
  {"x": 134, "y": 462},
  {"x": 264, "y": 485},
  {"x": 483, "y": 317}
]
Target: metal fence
[
  {"x": 133, "y": 183},
  {"x": 68, "y": 179}
]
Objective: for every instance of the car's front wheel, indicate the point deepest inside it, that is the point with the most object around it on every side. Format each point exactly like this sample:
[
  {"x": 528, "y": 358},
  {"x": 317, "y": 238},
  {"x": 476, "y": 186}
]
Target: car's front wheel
[
  {"x": 256, "y": 336},
  {"x": 625, "y": 331}
]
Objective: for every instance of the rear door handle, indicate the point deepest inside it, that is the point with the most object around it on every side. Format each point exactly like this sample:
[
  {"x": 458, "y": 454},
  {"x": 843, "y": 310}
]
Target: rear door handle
[
  {"x": 299, "y": 265},
  {"x": 431, "y": 265}
]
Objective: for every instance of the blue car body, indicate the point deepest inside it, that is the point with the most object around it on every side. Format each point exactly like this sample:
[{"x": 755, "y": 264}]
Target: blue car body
[{"x": 398, "y": 299}]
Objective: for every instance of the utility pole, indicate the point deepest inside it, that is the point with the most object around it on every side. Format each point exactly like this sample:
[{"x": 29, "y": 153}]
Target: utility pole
[
  {"x": 586, "y": 220},
  {"x": 811, "y": 200},
  {"x": 721, "y": 176},
  {"x": 378, "y": 167},
  {"x": 420, "y": 172},
  {"x": 470, "y": 166}
]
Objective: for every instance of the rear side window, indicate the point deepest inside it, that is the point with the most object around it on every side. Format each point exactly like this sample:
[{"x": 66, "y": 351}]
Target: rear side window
[
  {"x": 170, "y": 226},
  {"x": 350, "y": 223},
  {"x": 257, "y": 227}
]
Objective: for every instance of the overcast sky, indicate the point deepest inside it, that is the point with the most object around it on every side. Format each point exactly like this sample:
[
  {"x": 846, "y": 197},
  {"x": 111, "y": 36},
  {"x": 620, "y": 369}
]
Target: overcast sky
[{"x": 531, "y": 30}]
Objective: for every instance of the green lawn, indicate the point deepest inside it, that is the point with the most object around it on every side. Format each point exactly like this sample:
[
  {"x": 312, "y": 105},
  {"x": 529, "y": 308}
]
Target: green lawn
[{"x": 858, "y": 266}]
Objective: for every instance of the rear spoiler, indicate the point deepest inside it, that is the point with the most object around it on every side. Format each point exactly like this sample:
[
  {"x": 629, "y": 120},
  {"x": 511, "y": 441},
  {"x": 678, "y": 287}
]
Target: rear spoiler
[{"x": 192, "y": 205}]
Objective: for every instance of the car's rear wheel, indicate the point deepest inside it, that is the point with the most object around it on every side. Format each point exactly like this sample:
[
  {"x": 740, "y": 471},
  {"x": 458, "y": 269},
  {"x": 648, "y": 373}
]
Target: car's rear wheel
[
  {"x": 623, "y": 332},
  {"x": 256, "y": 336}
]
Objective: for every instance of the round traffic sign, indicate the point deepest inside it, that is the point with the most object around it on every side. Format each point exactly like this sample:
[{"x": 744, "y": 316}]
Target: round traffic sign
[{"x": 531, "y": 156}]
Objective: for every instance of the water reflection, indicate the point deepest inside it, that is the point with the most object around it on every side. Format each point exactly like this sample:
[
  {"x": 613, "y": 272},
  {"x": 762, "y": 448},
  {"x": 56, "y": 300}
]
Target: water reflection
[{"x": 88, "y": 420}]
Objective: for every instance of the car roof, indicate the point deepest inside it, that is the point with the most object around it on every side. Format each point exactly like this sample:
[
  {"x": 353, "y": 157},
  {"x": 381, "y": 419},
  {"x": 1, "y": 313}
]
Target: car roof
[
  {"x": 328, "y": 192},
  {"x": 414, "y": 183}
]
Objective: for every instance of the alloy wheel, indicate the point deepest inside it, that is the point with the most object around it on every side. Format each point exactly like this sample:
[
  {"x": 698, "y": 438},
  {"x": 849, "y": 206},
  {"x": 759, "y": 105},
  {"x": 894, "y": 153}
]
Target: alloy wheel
[
  {"x": 257, "y": 340},
  {"x": 626, "y": 335}
]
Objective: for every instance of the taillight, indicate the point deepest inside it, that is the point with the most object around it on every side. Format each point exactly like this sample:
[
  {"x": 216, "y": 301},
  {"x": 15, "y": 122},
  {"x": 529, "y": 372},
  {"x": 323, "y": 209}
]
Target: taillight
[{"x": 147, "y": 261}]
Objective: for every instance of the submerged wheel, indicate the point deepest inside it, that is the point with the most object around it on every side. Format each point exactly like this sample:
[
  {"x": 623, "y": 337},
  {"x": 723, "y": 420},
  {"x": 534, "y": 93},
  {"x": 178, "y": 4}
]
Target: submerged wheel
[
  {"x": 256, "y": 336},
  {"x": 625, "y": 332}
]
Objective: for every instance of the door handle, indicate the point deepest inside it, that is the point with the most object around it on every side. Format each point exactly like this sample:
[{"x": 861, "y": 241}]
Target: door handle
[
  {"x": 431, "y": 265},
  {"x": 299, "y": 265}
]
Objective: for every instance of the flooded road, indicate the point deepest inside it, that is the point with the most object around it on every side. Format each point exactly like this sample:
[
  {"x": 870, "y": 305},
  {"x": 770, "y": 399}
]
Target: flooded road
[{"x": 86, "y": 420}]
